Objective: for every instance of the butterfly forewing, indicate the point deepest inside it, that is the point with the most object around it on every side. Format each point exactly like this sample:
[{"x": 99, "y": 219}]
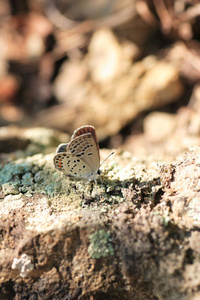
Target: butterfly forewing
[
  {"x": 84, "y": 147},
  {"x": 87, "y": 129}
]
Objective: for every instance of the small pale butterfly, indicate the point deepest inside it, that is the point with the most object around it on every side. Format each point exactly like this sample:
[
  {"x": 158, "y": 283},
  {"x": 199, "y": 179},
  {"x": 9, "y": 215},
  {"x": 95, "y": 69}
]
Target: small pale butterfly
[{"x": 80, "y": 157}]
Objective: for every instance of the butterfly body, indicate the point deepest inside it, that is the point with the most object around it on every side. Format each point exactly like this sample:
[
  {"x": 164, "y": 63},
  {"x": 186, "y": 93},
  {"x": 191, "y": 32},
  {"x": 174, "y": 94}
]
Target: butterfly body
[{"x": 80, "y": 157}]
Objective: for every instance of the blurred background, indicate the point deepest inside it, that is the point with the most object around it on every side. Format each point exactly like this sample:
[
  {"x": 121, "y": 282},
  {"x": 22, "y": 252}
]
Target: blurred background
[{"x": 130, "y": 68}]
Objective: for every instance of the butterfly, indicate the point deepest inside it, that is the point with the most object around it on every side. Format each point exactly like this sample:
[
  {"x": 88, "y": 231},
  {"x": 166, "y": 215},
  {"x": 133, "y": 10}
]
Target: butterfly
[{"x": 80, "y": 158}]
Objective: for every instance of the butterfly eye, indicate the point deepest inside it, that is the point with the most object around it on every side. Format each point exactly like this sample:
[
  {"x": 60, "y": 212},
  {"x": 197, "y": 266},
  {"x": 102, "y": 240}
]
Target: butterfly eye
[{"x": 99, "y": 172}]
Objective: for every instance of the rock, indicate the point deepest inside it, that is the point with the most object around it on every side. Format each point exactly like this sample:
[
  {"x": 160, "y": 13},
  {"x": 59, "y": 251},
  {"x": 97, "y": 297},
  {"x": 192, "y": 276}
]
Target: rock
[
  {"x": 22, "y": 142},
  {"x": 160, "y": 84},
  {"x": 166, "y": 135},
  {"x": 159, "y": 126},
  {"x": 9, "y": 189},
  {"x": 107, "y": 61},
  {"x": 136, "y": 227},
  {"x": 110, "y": 94},
  {"x": 23, "y": 264}
]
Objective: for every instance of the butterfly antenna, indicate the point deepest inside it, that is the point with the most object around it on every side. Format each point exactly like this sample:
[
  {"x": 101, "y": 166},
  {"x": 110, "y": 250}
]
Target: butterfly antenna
[{"x": 106, "y": 158}]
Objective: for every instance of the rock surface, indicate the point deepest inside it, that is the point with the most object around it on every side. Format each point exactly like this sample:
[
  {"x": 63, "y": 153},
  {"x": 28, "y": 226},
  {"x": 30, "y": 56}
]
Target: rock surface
[{"x": 132, "y": 235}]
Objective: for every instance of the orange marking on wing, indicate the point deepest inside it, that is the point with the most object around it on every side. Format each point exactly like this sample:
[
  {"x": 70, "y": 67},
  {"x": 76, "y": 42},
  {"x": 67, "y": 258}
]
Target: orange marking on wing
[{"x": 60, "y": 164}]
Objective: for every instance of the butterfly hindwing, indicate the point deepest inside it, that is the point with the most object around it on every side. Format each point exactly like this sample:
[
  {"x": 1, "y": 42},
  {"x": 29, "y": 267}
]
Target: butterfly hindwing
[
  {"x": 71, "y": 165},
  {"x": 62, "y": 148}
]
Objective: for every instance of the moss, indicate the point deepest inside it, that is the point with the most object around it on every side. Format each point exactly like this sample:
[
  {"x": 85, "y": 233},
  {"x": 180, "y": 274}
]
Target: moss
[{"x": 100, "y": 244}]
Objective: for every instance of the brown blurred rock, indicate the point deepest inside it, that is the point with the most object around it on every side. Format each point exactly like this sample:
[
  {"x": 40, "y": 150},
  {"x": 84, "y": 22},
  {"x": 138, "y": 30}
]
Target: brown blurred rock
[
  {"x": 159, "y": 126},
  {"x": 9, "y": 85},
  {"x": 107, "y": 59},
  {"x": 166, "y": 135},
  {"x": 113, "y": 92},
  {"x": 18, "y": 142}
]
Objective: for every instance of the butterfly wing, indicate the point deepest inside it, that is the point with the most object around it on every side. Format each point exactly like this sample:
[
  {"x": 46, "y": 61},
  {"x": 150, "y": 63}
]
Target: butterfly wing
[
  {"x": 87, "y": 129},
  {"x": 72, "y": 166},
  {"x": 62, "y": 148},
  {"x": 85, "y": 148},
  {"x": 79, "y": 158}
]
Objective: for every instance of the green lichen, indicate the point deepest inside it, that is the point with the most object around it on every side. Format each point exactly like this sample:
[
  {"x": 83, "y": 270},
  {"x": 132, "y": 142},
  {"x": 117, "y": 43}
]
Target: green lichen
[
  {"x": 33, "y": 174},
  {"x": 37, "y": 174},
  {"x": 13, "y": 171},
  {"x": 20, "y": 174},
  {"x": 100, "y": 244}
]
